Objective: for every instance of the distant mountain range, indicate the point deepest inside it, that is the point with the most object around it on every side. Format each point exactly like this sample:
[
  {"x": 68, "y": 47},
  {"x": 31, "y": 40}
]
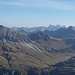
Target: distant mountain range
[
  {"x": 37, "y": 51},
  {"x": 62, "y": 32},
  {"x": 37, "y": 29}
]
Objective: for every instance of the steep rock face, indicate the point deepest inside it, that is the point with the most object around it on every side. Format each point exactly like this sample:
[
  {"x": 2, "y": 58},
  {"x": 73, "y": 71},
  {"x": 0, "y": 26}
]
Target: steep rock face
[{"x": 10, "y": 35}]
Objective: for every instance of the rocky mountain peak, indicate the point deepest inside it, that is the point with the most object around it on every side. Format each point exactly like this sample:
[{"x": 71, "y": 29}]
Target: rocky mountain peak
[
  {"x": 71, "y": 28},
  {"x": 11, "y": 35},
  {"x": 1, "y": 26}
]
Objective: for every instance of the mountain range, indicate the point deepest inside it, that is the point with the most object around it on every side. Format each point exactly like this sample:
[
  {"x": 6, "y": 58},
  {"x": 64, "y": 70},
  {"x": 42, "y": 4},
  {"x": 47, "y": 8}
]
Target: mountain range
[
  {"x": 37, "y": 29},
  {"x": 62, "y": 32},
  {"x": 45, "y": 51}
]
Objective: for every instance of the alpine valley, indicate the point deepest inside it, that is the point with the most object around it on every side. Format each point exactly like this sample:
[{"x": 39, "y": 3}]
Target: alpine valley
[{"x": 37, "y": 50}]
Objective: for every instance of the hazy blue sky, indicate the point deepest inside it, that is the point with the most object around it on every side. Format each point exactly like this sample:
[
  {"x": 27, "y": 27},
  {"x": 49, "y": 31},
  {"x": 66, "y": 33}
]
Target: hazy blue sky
[{"x": 37, "y": 12}]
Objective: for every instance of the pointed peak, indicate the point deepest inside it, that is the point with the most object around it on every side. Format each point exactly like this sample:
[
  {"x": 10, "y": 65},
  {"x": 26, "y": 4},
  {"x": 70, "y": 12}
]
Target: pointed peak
[
  {"x": 71, "y": 28},
  {"x": 1, "y": 26}
]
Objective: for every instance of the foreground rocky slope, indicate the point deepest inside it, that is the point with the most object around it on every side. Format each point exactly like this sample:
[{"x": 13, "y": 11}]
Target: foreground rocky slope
[
  {"x": 29, "y": 54},
  {"x": 63, "y": 68}
]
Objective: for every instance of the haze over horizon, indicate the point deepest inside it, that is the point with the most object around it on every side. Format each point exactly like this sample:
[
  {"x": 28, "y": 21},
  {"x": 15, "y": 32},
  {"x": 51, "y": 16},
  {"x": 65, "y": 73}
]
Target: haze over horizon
[{"x": 31, "y": 13}]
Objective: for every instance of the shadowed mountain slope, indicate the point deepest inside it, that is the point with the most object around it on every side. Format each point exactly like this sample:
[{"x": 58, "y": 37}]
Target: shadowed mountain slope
[
  {"x": 62, "y": 32},
  {"x": 63, "y": 68}
]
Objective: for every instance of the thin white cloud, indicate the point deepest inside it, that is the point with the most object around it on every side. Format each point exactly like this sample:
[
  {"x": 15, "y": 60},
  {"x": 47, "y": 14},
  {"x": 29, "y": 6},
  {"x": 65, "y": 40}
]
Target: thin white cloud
[
  {"x": 38, "y": 3},
  {"x": 11, "y": 3}
]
